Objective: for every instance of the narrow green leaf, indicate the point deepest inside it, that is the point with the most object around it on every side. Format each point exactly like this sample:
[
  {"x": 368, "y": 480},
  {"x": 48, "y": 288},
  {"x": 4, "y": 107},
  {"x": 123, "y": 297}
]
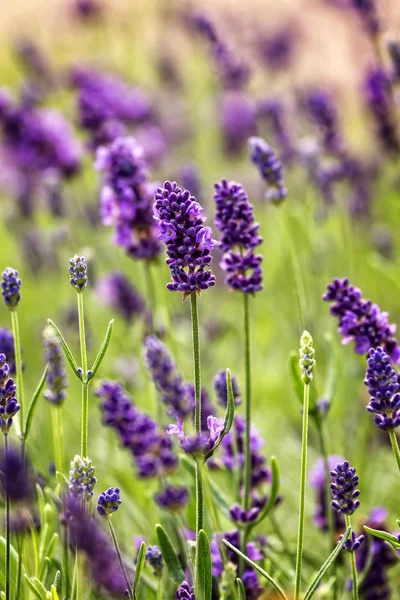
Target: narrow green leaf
[
  {"x": 203, "y": 567},
  {"x": 57, "y": 580},
  {"x": 33, "y": 588},
  {"x": 13, "y": 569},
  {"x": 141, "y": 559},
  {"x": 34, "y": 401},
  {"x": 274, "y": 493},
  {"x": 62, "y": 480},
  {"x": 102, "y": 351},
  {"x": 240, "y": 589},
  {"x": 169, "y": 555},
  {"x": 268, "y": 577},
  {"x": 54, "y": 594},
  {"x": 384, "y": 535},
  {"x": 67, "y": 352},
  {"x": 327, "y": 564},
  {"x": 398, "y": 522},
  {"x": 36, "y": 587}
]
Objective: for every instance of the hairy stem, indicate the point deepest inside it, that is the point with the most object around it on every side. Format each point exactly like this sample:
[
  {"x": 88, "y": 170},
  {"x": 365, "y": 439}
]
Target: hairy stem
[
  {"x": 395, "y": 446},
  {"x": 7, "y": 525},
  {"x": 303, "y": 486},
  {"x": 196, "y": 361},
  {"x": 85, "y": 384},
  {"x": 247, "y": 365},
  {"x": 199, "y": 495},
  {"x": 18, "y": 370},
  {"x": 119, "y": 556},
  {"x": 353, "y": 564},
  {"x": 58, "y": 437},
  {"x": 150, "y": 293}
]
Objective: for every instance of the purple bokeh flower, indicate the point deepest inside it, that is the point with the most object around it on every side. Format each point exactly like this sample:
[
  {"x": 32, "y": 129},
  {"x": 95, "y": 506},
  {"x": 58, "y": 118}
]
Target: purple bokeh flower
[
  {"x": 56, "y": 379},
  {"x": 322, "y": 111},
  {"x": 379, "y": 99},
  {"x": 8, "y": 402},
  {"x": 318, "y": 482},
  {"x": 237, "y": 118},
  {"x": 7, "y": 347},
  {"x": 221, "y": 390},
  {"x": 172, "y": 498},
  {"x": 270, "y": 169},
  {"x": 116, "y": 291}
]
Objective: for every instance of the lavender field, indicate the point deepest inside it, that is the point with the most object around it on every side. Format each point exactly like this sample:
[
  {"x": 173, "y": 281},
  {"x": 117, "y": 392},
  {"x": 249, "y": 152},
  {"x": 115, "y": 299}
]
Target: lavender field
[{"x": 199, "y": 355}]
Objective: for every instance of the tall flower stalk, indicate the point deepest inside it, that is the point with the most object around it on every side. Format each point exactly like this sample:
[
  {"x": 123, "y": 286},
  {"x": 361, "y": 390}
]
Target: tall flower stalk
[{"x": 307, "y": 365}]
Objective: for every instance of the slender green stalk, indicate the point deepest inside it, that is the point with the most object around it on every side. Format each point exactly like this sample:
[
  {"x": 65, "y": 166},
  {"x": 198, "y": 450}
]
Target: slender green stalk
[
  {"x": 119, "y": 556},
  {"x": 66, "y": 585},
  {"x": 247, "y": 366},
  {"x": 20, "y": 548},
  {"x": 199, "y": 495},
  {"x": 150, "y": 292},
  {"x": 353, "y": 564},
  {"x": 196, "y": 361},
  {"x": 159, "y": 589},
  {"x": 75, "y": 593},
  {"x": 58, "y": 437},
  {"x": 85, "y": 384},
  {"x": 7, "y": 527},
  {"x": 395, "y": 446},
  {"x": 303, "y": 486},
  {"x": 18, "y": 369}
]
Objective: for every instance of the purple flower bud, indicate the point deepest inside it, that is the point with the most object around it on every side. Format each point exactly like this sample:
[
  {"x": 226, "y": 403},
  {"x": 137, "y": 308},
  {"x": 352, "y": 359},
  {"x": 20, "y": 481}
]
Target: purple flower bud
[
  {"x": 8, "y": 403},
  {"x": 81, "y": 477},
  {"x": 344, "y": 492},
  {"x": 11, "y": 288},
  {"x": 108, "y": 502},
  {"x": 185, "y": 592},
  {"x": 7, "y": 348},
  {"x": 56, "y": 379},
  {"x": 155, "y": 560},
  {"x": 77, "y": 273},
  {"x": 353, "y": 543}
]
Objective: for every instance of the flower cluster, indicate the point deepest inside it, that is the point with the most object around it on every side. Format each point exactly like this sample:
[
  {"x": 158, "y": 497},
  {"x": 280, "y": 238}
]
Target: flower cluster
[
  {"x": 172, "y": 498},
  {"x": 383, "y": 386},
  {"x": 7, "y": 347},
  {"x": 108, "y": 502},
  {"x": 116, "y": 291},
  {"x": 344, "y": 489},
  {"x": 353, "y": 542},
  {"x": 307, "y": 360},
  {"x": 77, "y": 273},
  {"x": 277, "y": 48},
  {"x": 173, "y": 391},
  {"x": 272, "y": 112},
  {"x": 318, "y": 482},
  {"x": 201, "y": 444},
  {"x": 235, "y": 220},
  {"x": 11, "y": 288},
  {"x": 56, "y": 379},
  {"x": 127, "y": 197},
  {"x": 155, "y": 559},
  {"x": 81, "y": 477},
  {"x": 8, "y": 402},
  {"x": 322, "y": 112},
  {"x": 360, "y": 320},
  {"x": 151, "y": 449},
  {"x": 237, "y": 120},
  {"x": 270, "y": 168},
  {"x": 378, "y": 97},
  {"x": 16, "y": 475},
  {"x": 189, "y": 242},
  {"x": 185, "y": 592},
  {"x": 221, "y": 392}
]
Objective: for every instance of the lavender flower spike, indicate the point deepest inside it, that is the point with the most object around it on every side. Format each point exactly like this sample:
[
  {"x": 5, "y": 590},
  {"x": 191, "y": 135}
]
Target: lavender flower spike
[
  {"x": 344, "y": 492},
  {"x": 185, "y": 592},
  {"x": 81, "y": 477},
  {"x": 77, "y": 273},
  {"x": 383, "y": 387},
  {"x": 199, "y": 445},
  {"x": 108, "y": 502},
  {"x": 221, "y": 391},
  {"x": 155, "y": 560},
  {"x": 188, "y": 241},
  {"x": 56, "y": 380},
  {"x": 11, "y": 288},
  {"x": 8, "y": 402},
  {"x": 270, "y": 168}
]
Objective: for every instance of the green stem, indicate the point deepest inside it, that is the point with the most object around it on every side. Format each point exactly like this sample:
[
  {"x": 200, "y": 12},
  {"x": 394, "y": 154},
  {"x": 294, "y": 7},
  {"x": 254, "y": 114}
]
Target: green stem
[
  {"x": 58, "y": 437},
  {"x": 20, "y": 544},
  {"x": 85, "y": 384},
  {"x": 353, "y": 564},
  {"x": 303, "y": 485},
  {"x": 75, "y": 593},
  {"x": 199, "y": 495},
  {"x": 18, "y": 369},
  {"x": 196, "y": 361},
  {"x": 7, "y": 526},
  {"x": 159, "y": 589},
  {"x": 66, "y": 564},
  {"x": 150, "y": 293},
  {"x": 119, "y": 556},
  {"x": 395, "y": 446},
  {"x": 247, "y": 364}
]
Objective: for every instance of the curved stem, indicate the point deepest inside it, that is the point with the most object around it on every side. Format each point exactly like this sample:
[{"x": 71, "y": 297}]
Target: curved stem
[
  {"x": 303, "y": 486},
  {"x": 247, "y": 364},
  {"x": 7, "y": 525},
  {"x": 353, "y": 564},
  {"x": 18, "y": 370},
  {"x": 119, "y": 556},
  {"x": 58, "y": 437},
  {"x": 395, "y": 446},
  {"x": 196, "y": 361},
  {"x": 85, "y": 384}
]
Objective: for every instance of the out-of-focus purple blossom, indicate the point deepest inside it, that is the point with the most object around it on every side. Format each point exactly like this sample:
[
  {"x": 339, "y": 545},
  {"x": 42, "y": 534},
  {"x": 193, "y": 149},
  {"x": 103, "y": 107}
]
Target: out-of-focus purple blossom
[
  {"x": 108, "y": 502},
  {"x": 201, "y": 444},
  {"x": 86, "y": 535},
  {"x": 126, "y": 198},
  {"x": 237, "y": 117},
  {"x": 173, "y": 391},
  {"x": 116, "y": 291},
  {"x": 269, "y": 167},
  {"x": 344, "y": 489},
  {"x": 189, "y": 179},
  {"x": 394, "y": 52},
  {"x": 353, "y": 543},
  {"x": 367, "y": 11},
  {"x": 11, "y": 288},
  {"x": 360, "y": 320},
  {"x": 155, "y": 559},
  {"x": 221, "y": 390},
  {"x": 152, "y": 140},
  {"x": 185, "y": 592},
  {"x": 56, "y": 379},
  {"x": 8, "y": 402},
  {"x": 87, "y": 10},
  {"x": 81, "y": 478},
  {"x": 318, "y": 482},
  {"x": 188, "y": 241},
  {"x": 379, "y": 99},
  {"x": 7, "y": 347},
  {"x": 172, "y": 498},
  {"x": 36, "y": 64},
  {"x": 272, "y": 111},
  {"x": 16, "y": 475},
  {"x": 151, "y": 448},
  {"x": 277, "y": 48},
  {"x": 383, "y": 386},
  {"x": 321, "y": 110}
]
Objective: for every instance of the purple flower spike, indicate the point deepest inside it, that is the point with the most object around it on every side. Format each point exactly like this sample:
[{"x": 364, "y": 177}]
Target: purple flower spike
[
  {"x": 108, "y": 502},
  {"x": 360, "y": 320},
  {"x": 155, "y": 559},
  {"x": 188, "y": 242},
  {"x": 270, "y": 168},
  {"x": 383, "y": 386},
  {"x": 8, "y": 402},
  {"x": 7, "y": 348},
  {"x": 378, "y": 96},
  {"x": 172, "y": 498},
  {"x": 353, "y": 543},
  {"x": 56, "y": 380},
  {"x": 185, "y": 592},
  {"x": 199, "y": 445},
  {"x": 221, "y": 391},
  {"x": 322, "y": 112},
  {"x": 77, "y": 273},
  {"x": 344, "y": 489},
  {"x": 11, "y": 288}
]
